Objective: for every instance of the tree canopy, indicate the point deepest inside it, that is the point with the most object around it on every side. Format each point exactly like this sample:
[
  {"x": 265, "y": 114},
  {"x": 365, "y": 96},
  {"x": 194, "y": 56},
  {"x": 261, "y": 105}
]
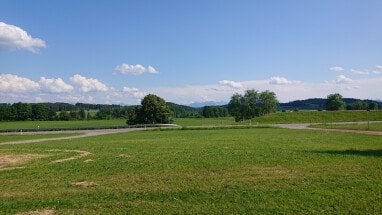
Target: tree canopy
[
  {"x": 252, "y": 104},
  {"x": 153, "y": 110},
  {"x": 335, "y": 102}
]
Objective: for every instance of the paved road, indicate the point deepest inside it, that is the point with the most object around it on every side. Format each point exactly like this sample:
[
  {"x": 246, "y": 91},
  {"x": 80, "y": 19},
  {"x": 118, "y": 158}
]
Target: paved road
[
  {"x": 83, "y": 133},
  {"x": 306, "y": 126}
]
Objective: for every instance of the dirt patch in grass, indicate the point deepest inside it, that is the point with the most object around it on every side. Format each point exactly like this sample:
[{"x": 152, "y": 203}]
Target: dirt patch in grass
[
  {"x": 84, "y": 184},
  {"x": 38, "y": 212},
  {"x": 123, "y": 156},
  {"x": 10, "y": 161},
  {"x": 81, "y": 154},
  {"x": 88, "y": 161}
]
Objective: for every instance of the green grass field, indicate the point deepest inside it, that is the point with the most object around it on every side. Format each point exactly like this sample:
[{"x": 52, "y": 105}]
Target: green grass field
[
  {"x": 224, "y": 171},
  {"x": 320, "y": 117},
  {"x": 15, "y": 137},
  {"x": 60, "y": 124},
  {"x": 208, "y": 121},
  {"x": 293, "y": 117},
  {"x": 355, "y": 126}
]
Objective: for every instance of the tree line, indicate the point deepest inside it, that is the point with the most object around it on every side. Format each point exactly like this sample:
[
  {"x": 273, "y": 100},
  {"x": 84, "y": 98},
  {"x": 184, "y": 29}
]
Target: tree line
[
  {"x": 336, "y": 102},
  {"x": 249, "y": 105}
]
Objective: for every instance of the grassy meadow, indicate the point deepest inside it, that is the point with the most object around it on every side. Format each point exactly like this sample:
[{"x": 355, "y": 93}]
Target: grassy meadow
[
  {"x": 220, "y": 121},
  {"x": 60, "y": 124},
  {"x": 320, "y": 117},
  {"x": 292, "y": 117},
  {"x": 229, "y": 171},
  {"x": 353, "y": 126}
]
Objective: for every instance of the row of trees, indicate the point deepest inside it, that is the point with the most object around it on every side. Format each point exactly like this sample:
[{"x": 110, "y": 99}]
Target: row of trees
[
  {"x": 23, "y": 111},
  {"x": 252, "y": 104},
  {"x": 336, "y": 102},
  {"x": 214, "y": 111},
  {"x": 154, "y": 109}
]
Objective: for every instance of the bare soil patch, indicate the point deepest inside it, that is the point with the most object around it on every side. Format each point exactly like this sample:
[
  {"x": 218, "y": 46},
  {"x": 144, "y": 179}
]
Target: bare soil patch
[
  {"x": 10, "y": 161},
  {"x": 38, "y": 212},
  {"x": 84, "y": 184},
  {"x": 88, "y": 161},
  {"x": 81, "y": 154}
]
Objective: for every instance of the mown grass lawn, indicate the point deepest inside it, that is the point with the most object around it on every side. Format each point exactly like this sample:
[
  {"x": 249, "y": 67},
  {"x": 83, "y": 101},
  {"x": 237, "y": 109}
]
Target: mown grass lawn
[
  {"x": 220, "y": 121},
  {"x": 60, "y": 124},
  {"x": 293, "y": 117},
  {"x": 321, "y": 117},
  {"x": 355, "y": 126},
  {"x": 225, "y": 171}
]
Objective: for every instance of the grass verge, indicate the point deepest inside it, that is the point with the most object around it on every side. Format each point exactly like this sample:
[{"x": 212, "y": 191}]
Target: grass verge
[{"x": 354, "y": 126}]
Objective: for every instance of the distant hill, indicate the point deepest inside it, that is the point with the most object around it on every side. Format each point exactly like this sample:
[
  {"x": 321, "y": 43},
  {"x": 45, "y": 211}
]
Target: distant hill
[
  {"x": 181, "y": 111},
  {"x": 207, "y": 103},
  {"x": 317, "y": 104}
]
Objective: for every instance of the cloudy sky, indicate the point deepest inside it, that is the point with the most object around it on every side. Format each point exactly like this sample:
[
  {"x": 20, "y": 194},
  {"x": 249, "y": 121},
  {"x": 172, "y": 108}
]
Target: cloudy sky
[{"x": 188, "y": 51}]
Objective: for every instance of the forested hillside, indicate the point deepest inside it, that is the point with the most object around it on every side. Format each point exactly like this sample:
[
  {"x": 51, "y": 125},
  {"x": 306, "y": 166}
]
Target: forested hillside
[{"x": 319, "y": 104}]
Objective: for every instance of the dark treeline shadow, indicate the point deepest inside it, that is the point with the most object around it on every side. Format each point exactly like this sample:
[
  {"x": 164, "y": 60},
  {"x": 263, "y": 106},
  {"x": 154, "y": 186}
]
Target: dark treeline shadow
[{"x": 370, "y": 152}]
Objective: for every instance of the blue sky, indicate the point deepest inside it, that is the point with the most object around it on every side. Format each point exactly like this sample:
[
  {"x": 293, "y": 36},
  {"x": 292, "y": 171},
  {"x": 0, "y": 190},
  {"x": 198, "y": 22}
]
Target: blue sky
[{"x": 100, "y": 51}]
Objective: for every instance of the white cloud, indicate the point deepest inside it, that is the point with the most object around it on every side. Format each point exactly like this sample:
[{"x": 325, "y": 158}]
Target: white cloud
[
  {"x": 55, "y": 85},
  {"x": 88, "y": 84},
  {"x": 232, "y": 84},
  {"x": 359, "y": 72},
  {"x": 378, "y": 70},
  {"x": 13, "y": 37},
  {"x": 137, "y": 69},
  {"x": 17, "y": 84},
  {"x": 151, "y": 70},
  {"x": 277, "y": 80},
  {"x": 341, "y": 79},
  {"x": 336, "y": 69},
  {"x": 135, "y": 92}
]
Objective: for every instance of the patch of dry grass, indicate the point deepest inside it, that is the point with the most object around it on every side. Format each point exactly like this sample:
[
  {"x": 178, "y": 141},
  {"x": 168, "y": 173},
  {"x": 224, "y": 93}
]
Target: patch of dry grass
[
  {"x": 84, "y": 184},
  {"x": 12, "y": 161},
  {"x": 81, "y": 154},
  {"x": 38, "y": 212}
]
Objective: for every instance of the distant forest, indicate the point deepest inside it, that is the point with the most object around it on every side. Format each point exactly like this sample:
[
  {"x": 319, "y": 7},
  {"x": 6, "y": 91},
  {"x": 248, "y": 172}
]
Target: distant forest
[
  {"x": 319, "y": 104},
  {"x": 81, "y": 111}
]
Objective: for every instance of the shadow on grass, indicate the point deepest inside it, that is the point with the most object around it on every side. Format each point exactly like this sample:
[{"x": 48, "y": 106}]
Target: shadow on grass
[{"x": 370, "y": 152}]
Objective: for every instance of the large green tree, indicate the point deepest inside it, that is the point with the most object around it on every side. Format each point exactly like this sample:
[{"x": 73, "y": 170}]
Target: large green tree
[
  {"x": 153, "y": 110},
  {"x": 252, "y": 104},
  {"x": 335, "y": 102},
  {"x": 372, "y": 106}
]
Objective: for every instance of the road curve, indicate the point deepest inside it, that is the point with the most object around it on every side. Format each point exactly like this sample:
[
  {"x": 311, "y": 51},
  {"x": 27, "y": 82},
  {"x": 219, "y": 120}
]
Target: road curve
[
  {"x": 84, "y": 133},
  {"x": 306, "y": 126}
]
